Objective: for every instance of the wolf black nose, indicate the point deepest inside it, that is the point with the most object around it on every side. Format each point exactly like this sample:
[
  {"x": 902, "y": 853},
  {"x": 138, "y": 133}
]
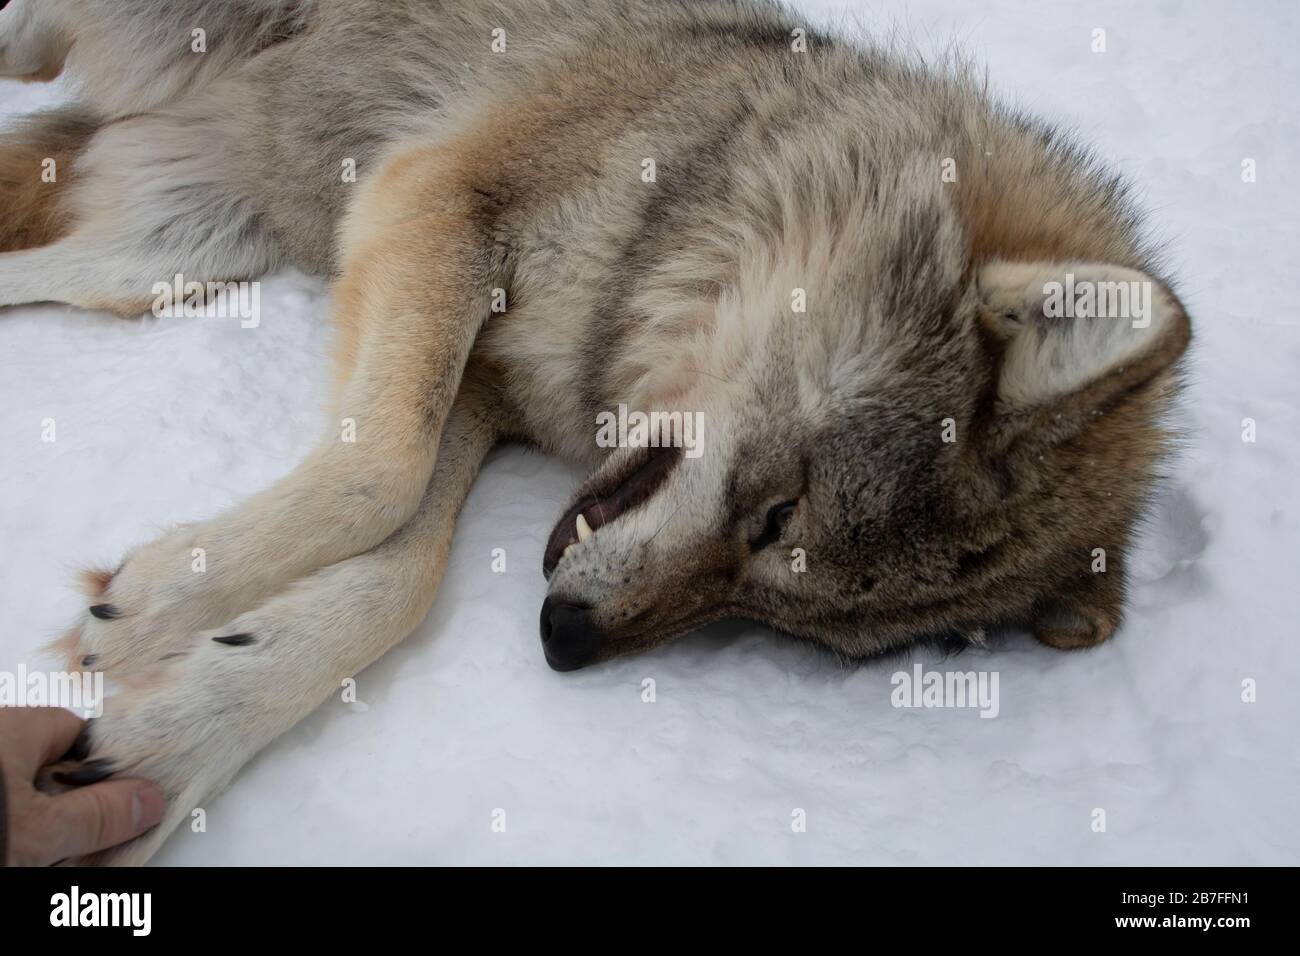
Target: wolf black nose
[{"x": 569, "y": 638}]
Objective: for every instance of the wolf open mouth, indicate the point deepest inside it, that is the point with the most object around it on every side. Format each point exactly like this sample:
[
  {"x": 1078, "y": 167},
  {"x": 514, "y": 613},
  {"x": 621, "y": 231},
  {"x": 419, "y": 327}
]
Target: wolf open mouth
[{"x": 606, "y": 497}]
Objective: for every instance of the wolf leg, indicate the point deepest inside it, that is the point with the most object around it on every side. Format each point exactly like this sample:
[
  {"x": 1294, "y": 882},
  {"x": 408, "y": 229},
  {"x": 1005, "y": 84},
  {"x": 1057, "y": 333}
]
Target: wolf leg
[
  {"x": 37, "y": 164},
  {"x": 192, "y": 721},
  {"x": 415, "y": 289},
  {"x": 149, "y": 200},
  {"x": 33, "y": 46},
  {"x": 134, "y": 56}
]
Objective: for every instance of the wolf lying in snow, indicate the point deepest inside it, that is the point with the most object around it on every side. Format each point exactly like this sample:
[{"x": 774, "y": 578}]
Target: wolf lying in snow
[{"x": 838, "y": 258}]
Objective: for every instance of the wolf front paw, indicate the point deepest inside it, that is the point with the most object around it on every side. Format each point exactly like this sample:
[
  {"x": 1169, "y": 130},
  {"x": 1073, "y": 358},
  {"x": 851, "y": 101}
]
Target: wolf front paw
[
  {"x": 184, "y": 725},
  {"x": 148, "y": 610}
]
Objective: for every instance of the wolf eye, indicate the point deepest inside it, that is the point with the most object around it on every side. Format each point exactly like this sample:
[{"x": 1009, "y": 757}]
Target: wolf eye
[{"x": 778, "y": 516}]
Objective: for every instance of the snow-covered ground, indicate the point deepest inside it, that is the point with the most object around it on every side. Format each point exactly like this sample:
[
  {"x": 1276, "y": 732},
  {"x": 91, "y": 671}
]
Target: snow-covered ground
[{"x": 166, "y": 420}]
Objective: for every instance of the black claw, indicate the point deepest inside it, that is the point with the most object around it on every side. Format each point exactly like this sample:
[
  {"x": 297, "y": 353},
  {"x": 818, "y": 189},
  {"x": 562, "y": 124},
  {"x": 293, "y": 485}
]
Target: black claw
[
  {"x": 89, "y": 660},
  {"x": 80, "y": 748},
  {"x": 236, "y": 640},
  {"x": 92, "y": 771},
  {"x": 105, "y": 612}
]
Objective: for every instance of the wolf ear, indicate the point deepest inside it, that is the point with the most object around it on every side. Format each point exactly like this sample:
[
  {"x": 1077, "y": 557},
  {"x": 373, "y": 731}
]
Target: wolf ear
[{"x": 1075, "y": 336}]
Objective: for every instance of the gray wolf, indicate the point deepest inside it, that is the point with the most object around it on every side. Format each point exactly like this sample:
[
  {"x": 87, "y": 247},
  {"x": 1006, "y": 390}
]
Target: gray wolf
[{"x": 891, "y": 302}]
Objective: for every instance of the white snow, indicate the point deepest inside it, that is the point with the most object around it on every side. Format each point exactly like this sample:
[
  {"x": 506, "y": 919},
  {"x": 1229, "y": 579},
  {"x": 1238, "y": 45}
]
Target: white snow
[{"x": 167, "y": 420}]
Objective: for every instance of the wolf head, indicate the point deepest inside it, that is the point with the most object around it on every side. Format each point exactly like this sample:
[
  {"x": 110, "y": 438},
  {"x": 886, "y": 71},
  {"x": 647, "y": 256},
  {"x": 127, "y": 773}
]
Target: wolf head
[{"x": 908, "y": 427}]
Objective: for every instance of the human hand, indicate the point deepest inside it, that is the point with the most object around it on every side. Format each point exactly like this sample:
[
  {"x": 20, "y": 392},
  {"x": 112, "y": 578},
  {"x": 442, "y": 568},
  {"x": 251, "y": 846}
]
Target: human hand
[{"x": 43, "y": 828}]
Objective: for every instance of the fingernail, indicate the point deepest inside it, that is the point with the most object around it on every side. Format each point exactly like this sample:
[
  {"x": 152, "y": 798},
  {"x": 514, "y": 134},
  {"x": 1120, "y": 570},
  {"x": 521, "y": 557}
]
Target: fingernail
[{"x": 147, "y": 807}]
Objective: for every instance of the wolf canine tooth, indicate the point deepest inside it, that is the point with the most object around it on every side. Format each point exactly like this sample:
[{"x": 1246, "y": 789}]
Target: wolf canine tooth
[{"x": 584, "y": 529}]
